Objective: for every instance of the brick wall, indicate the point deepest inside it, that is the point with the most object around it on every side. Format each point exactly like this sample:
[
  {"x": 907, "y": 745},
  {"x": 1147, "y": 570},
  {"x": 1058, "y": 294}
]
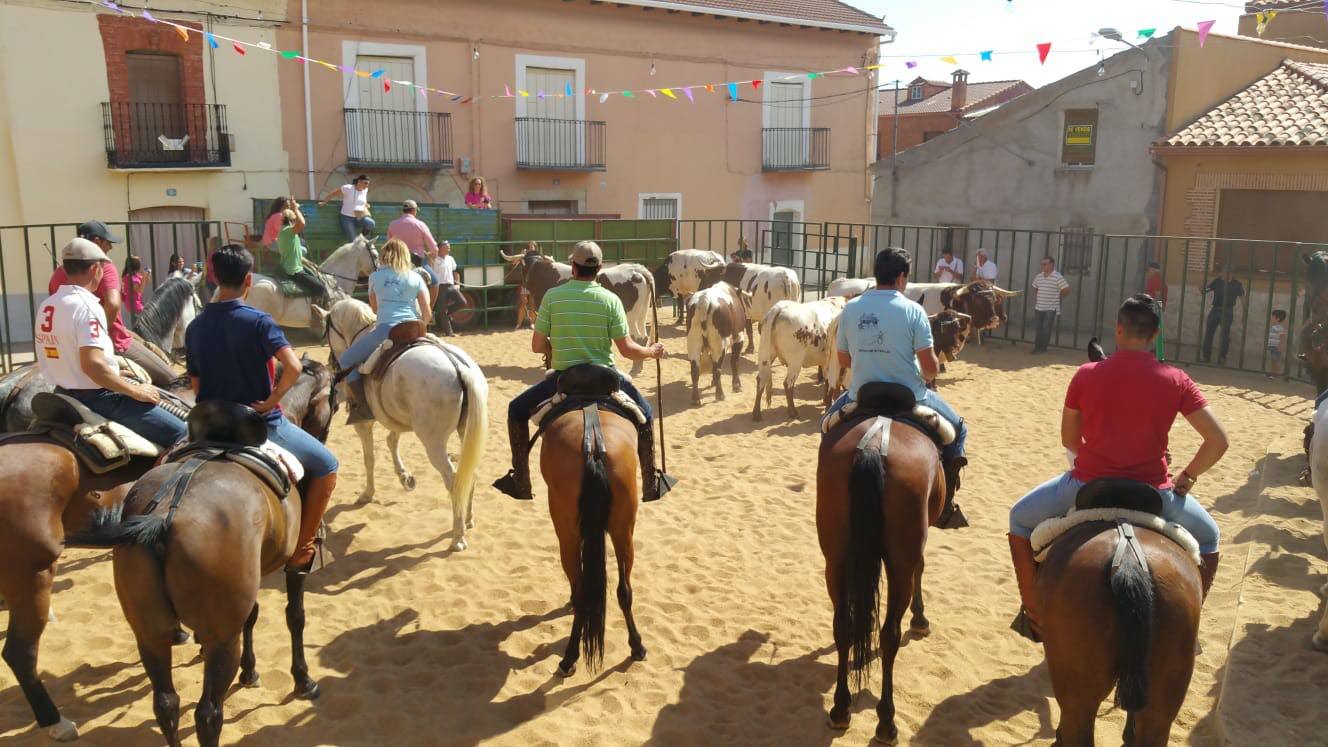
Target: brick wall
[
  {"x": 1202, "y": 201},
  {"x": 912, "y": 129},
  {"x": 123, "y": 34}
]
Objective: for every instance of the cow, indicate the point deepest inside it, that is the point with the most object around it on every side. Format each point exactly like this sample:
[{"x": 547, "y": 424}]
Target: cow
[
  {"x": 680, "y": 274},
  {"x": 716, "y": 320},
  {"x": 984, "y": 303},
  {"x": 767, "y": 286},
  {"x": 798, "y": 334},
  {"x": 949, "y": 333}
]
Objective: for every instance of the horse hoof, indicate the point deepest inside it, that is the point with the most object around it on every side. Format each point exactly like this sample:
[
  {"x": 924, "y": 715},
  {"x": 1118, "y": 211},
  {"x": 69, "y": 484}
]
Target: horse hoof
[
  {"x": 719, "y": 397},
  {"x": 65, "y": 731},
  {"x": 470, "y": 523},
  {"x": 249, "y": 680},
  {"x": 365, "y": 497},
  {"x": 639, "y": 654},
  {"x": 309, "y": 691},
  {"x": 887, "y": 740},
  {"x": 756, "y": 417},
  {"x": 459, "y": 545},
  {"x": 181, "y": 637},
  {"x": 566, "y": 670},
  {"x": 408, "y": 481},
  {"x": 838, "y": 723},
  {"x": 1320, "y": 642},
  {"x": 920, "y": 631}
]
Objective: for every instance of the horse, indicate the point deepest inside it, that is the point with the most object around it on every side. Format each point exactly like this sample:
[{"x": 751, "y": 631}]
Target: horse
[
  {"x": 164, "y": 319},
  {"x": 879, "y": 485},
  {"x": 1318, "y": 469},
  {"x": 1316, "y": 275},
  {"x": 431, "y": 391},
  {"x": 191, "y": 542},
  {"x": 340, "y": 273},
  {"x": 590, "y": 465},
  {"x": 48, "y": 495}
]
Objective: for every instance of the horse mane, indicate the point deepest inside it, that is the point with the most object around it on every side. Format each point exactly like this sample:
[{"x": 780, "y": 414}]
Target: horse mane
[
  {"x": 162, "y": 313},
  {"x": 353, "y": 313},
  {"x": 358, "y": 244}
]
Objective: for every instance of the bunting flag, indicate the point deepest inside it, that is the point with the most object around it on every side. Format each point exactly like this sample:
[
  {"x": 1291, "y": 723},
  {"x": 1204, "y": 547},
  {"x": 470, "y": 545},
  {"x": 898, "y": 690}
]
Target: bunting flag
[
  {"x": 1263, "y": 19},
  {"x": 710, "y": 87},
  {"x": 1206, "y": 26},
  {"x": 290, "y": 54},
  {"x": 568, "y": 90},
  {"x": 603, "y": 97},
  {"x": 668, "y": 93},
  {"x": 183, "y": 32},
  {"x": 690, "y": 97},
  {"x": 850, "y": 70},
  {"x": 239, "y": 49},
  {"x": 539, "y": 95},
  {"x": 148, "y": 16},
  {"x": 810, "y": 76},
  {"x": 1147, "y": 33},
  {"x": 628, "y": 95},
  {"x": 986, "y": 55},
  {"x": 756, "y": 84},
  {"x": 387, "y": 86},
  {"x": 733, "y": 87},
  {"x": 211, "y": 40},
  {"x": 651, "y": 91},
  {"x": 524, "y": 94},
  {"x": 1043, "y": 49},
  {"x": 949, "y": 60},
  {"x": 507, "y": 92},
  {"x": 377, "y": 73},
  {"x": 912, "y": 64}
]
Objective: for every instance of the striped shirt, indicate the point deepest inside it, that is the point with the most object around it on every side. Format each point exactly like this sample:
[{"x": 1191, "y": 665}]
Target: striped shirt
[
  {"x": 1048, "y": 288},
  {"x": 581, "y": 319}
]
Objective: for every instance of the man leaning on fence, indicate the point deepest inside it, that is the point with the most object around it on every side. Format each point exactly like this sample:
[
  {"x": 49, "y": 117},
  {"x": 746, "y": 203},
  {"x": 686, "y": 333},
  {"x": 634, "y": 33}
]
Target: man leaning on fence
[{"x": 1049, "y": 287}]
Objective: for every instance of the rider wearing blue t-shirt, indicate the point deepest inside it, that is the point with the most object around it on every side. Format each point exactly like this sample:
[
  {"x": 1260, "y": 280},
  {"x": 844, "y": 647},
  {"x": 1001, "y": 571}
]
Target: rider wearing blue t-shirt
[
  {"x": 886, "y": 337},
  {"x": 231, "y": 349}
]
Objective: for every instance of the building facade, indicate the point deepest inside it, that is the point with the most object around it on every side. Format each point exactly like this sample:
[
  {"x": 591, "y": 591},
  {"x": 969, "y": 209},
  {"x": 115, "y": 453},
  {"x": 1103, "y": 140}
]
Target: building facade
[
  {"x": 924, "y": 109},
  {"x": 1292, "y": 21},
  {"x": 785, "y": 149}
]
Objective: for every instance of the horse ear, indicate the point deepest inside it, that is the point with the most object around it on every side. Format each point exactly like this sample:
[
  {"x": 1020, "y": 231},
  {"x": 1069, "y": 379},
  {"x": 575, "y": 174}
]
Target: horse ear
[{"x": 320, "y": 313}]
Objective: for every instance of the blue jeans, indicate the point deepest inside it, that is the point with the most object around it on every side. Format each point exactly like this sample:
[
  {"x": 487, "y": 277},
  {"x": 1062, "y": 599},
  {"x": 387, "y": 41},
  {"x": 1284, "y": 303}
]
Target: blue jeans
[
  {"x": 942, "y": 408},
  {"x": 1055, "y": 497},
  {"x": 352, "y": 226},
  {"x": 149, "y": 421},
  {"x": 360, "y": 350},
  {"x": 317, "y": 460},
  {"x": 525, "y": 403},
  {"x": 423, "y": 263}
]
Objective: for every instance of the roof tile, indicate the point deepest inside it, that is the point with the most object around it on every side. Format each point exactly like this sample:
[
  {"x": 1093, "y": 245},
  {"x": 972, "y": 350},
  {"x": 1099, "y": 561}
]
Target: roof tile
[
  {"x": 1287, "y": 107},
  {"x": 809, "y": 12}
]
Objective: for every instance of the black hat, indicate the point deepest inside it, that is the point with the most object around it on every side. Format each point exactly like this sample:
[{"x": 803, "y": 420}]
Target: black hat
[{"x": 97, "y": 229}]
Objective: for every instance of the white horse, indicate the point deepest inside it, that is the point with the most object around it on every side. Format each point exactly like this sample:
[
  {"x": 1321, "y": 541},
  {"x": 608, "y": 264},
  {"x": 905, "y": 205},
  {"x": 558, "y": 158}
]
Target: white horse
[
  {"x": 1319, "y": 478},
  {"x": 340, "y": 272},
  {"x": 425, "y": 392},
  {"x": 164, "y": 319}
]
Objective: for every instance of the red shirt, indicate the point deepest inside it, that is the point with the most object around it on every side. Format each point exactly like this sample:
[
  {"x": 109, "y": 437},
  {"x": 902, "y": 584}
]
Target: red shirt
[
  {"x": 110, "y": 284},
  {"x": 1128, "y": 403},
  {"x": 1157, "y": 288}
]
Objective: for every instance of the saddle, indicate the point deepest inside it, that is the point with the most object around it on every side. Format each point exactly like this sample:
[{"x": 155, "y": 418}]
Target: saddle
[
  {"x": 291, "y": 289},
  {"x": 237, "y": 433},
  {"x": 895, "y": 402},
  {"x": 401, "y": 338},
  {"x": 100, "y": 445},
  {"x": 583, "y": 386},
  {"x": 1127, "y": 504}
]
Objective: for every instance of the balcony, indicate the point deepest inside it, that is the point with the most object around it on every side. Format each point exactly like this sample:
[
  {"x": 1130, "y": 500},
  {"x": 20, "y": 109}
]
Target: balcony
[
  {"x": 165, "y": 136},
  {"x": 559, "y": 144},
  {"x": 795, "y": 149},
  {"x": 403, "y": 141}
]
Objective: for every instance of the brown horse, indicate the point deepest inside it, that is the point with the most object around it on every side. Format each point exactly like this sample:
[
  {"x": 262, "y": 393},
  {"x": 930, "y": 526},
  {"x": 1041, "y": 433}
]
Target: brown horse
[
  {"x": 873, "y": 508},
  {"x": 191, "y": 544},
  {"x": 1118, "y": 624},
  {"x": 589, "y": 463}
]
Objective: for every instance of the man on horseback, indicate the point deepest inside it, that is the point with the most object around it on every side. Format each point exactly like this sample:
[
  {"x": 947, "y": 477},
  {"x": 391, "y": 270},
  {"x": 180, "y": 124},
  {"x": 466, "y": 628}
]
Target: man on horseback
[
  {"x": 75, "y": 353},
  {"x": 292, "y": 256},
  {"x": 886, "y": 337},
  {"x": 579, "y": 322},
  {"x": 230, "y": 350},
  {"x": 1117, "y": 417}
]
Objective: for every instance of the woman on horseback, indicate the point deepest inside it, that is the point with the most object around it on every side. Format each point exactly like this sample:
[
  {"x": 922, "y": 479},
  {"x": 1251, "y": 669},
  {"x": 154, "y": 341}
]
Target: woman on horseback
[{"x": 397, "y": 294}]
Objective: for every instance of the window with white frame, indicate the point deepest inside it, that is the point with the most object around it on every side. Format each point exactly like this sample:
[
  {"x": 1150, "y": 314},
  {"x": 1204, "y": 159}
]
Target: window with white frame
[{"x": 660, "y": 206}]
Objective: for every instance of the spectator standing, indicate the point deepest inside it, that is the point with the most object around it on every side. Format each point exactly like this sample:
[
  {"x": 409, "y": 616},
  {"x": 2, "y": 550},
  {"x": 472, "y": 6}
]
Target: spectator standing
[
  {"x": 949, "y": 268},
  {"x": 477, "y": 195},
  {"x": 132, "y": 278},
  {"x": 984, "y": 270},
  {"x": 1277, "y": 336},
  {"x": 1156, "y": 286},
  {"x": 1049, "y": 287},
  {"x": 417, "y": 237},
  {"x": 449, "y": 286},
  {"x": 1227, "y": 292},
  {"x": 355, "y": 218}
]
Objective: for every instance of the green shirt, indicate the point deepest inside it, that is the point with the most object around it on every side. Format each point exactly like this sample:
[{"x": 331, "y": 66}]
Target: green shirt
[
  {"x": 581, "y": 319},
  {"x": 288, "y": 243}
]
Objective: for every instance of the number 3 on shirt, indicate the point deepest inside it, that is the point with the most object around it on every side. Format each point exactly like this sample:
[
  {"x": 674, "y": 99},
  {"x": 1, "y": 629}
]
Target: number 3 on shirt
[{"x": 48, "y": 314}]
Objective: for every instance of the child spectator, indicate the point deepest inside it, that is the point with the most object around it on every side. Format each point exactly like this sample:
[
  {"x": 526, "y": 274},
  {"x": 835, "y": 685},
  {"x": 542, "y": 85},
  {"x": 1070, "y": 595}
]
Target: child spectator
[
  {"x": 133, "y": 276},
  {"x": 1277, "y": 343}
]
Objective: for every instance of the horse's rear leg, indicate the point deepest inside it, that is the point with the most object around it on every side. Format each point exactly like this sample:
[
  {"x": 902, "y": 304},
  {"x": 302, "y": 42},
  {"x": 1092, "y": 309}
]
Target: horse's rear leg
[
  {"x": 155, "y": 651},
  {"x": 403, "y": 474},
  {"x": 220, "y": 662},
  {"x": 625, "y": 552},
  {"x": 919, "y": 625},
  {"x": 437, "y": 452},
  {"x": 1078, "y": 718},
  {"x": 29, "y": 598},
  {"x": 839, "y": 716},
  {"x": 305, "y": 686},
  {"x": 249, "y": 662},
  {"x": 569, "y": 550},
  {"x": 901, "y": 569},
  {"x": 140, "y": 585},
  {"x": 365, "y": 431}
]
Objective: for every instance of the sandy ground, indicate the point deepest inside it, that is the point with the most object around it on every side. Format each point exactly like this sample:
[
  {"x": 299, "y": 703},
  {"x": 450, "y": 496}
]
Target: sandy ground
[{"x": 416, "y": 645}]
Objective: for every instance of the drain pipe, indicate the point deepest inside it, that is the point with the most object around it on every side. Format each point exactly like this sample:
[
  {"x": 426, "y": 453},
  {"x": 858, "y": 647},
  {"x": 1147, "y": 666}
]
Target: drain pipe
[{"x": 308, "y": 111}]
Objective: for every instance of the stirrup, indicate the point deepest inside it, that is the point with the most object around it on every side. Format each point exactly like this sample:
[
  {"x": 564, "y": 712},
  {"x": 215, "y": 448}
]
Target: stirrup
[
  {"x": 952, "y": 517},
  {"x": 320, "y": 559},
  {"x": 1023, "y": 625},
  {"x": 508, "y": 485},
  {"x": 663, "y": 484}
]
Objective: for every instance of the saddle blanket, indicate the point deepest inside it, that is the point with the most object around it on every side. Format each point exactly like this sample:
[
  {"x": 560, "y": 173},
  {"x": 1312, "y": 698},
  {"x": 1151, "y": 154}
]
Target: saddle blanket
[
  {"x": 1050, "y": 530},
  {"x": 923, "y": 415},
  {"x": 106, "y": 438},
  {"x": 294, "y": 469}
]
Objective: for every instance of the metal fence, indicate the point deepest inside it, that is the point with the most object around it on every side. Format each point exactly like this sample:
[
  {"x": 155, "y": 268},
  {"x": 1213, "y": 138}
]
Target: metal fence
[
  {"x": 142, "y": 135},
  {"x": 559, "y": 144},
  {"x": 382, "y": 138}
]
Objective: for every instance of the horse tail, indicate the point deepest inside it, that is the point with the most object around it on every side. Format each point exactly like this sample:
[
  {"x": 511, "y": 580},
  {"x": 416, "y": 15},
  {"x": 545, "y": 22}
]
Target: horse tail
[
  {"x": 591, "y": 593},
  {"x": 475, "y": 431},
  {"x": 1132, "y": 596},
  {"x": 109, "y": 528},
  {"x": 860, "y": 590}
]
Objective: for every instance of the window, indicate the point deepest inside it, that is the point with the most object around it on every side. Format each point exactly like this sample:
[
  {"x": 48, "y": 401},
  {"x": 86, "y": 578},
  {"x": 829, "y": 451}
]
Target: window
[
  {"x": 660, "y": 206},
  {"x": 1076, "y": 249},
  {"x": 552, "y": 207},
  {"x": 915, "y": 92},
  {"x": 1079, "y": 140}
]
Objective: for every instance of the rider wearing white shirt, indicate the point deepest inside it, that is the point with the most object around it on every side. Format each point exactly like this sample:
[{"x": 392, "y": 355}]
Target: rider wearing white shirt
[{"x": 949, "y": 268}]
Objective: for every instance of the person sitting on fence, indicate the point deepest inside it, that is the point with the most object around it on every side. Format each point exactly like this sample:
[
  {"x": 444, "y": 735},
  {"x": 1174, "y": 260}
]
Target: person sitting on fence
[
  {"x": 355, "y": 219},
  {"x": 397, "y": 294},
  {"x": 292, "y": 256}
]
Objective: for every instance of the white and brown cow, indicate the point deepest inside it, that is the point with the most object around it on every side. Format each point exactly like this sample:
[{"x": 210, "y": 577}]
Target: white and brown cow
[
  {"x": 798, "y": 335},
  {"x": 767, "y": 286},
  {"x": 983, "y": 303},
  {"x": 950, "y": 331},
  {"x": 681, "y": 274},
  {"x": 716, "y": 320}
]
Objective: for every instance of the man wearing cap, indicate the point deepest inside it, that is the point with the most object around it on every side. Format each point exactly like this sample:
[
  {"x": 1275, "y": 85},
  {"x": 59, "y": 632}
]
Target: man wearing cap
[
  {"x": 75, "y": 353},
  {"x": 109, "y": 294},
  {"x": 579, "y": 322},
  {"x": 419, "y": 240}
]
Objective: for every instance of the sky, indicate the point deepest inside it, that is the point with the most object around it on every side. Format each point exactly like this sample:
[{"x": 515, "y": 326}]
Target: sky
[{"x": 962, "y": 28}]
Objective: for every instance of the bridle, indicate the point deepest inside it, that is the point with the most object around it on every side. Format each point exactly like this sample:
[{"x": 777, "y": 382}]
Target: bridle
[{"x": 330, "y": 328}]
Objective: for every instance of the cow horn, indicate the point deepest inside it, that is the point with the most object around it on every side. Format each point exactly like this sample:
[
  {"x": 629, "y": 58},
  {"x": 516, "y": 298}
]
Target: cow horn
[
  {"x": 509, "y": 258},
  {"x": 1003, "y": 293}
]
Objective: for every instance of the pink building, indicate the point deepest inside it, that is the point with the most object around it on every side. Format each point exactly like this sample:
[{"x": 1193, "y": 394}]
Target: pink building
[{"x": 790, "y": 149}]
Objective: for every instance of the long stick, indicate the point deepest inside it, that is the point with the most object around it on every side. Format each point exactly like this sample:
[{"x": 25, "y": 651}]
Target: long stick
[{"x": 659, "y": 386}]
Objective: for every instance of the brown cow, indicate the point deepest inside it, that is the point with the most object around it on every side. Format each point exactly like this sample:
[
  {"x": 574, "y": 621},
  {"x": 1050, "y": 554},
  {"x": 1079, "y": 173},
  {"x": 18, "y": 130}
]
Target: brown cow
[
  {"x": 984, "y": 304},
  {"x": 716, "y": 322},
  {"x": 949, "y": 332}
]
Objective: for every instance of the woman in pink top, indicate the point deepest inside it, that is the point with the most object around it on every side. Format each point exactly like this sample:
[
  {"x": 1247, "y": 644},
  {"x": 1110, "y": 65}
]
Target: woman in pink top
[
  {"x": 477, "y": 196},
  {"x": 272, "y": 226},
  {"x": 133, "y": 276}
]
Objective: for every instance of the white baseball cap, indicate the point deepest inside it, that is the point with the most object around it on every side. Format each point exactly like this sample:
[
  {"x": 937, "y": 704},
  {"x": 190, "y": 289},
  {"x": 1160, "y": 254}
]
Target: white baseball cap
[{"x": 83, "y": 249}]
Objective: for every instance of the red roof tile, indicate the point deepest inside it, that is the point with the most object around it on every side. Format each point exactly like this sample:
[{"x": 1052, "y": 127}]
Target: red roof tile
[
  {"x": 1287, "y": 107},
  {"x": 817, "y": 13}
]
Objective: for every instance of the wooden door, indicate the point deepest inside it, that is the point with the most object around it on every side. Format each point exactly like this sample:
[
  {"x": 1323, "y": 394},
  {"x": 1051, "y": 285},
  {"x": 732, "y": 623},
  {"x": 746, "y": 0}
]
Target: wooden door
[{"x": 388, "y": 127}]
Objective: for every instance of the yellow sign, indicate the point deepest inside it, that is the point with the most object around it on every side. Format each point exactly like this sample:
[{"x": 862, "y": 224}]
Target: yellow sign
[{"x": 1081, "y": 134}]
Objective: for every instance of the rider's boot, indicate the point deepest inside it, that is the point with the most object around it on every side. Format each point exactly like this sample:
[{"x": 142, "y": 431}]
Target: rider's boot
[
  {"x": 312, "y": 506},
  {"x": 1028, "y": 623},
  {"x": 359, "y": 403},
  {"x": 654, "y": 483},
  {"x": 516, "y": 483},
  {"x": 952, "y": 517},
  {"x": 1208, "y": 570}
]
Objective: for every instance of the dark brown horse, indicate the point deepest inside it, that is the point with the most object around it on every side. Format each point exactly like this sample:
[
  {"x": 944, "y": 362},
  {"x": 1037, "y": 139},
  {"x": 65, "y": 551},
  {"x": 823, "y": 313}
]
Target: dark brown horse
[
  {"x": 594, "y": 487},
  {"x": 1119, "y": 624},
  {"x": 872, "y": 509}
]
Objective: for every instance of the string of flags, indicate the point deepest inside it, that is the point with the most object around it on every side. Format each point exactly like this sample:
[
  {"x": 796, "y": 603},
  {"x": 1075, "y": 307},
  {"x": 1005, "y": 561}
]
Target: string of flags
[{"x": 731, "y": 88}]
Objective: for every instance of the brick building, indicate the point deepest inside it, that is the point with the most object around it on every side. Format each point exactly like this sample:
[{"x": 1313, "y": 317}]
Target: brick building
[
  {"x": 927, "y": 108},
  {"x": 1293, "y": 21}
]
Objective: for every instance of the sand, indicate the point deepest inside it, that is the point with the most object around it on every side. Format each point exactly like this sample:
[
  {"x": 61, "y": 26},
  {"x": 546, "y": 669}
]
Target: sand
[{"x": 415, "y": 645}]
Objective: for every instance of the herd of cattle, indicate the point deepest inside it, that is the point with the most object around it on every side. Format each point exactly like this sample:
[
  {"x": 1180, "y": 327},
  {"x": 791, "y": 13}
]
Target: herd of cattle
[{"x": 720, "y": 303}]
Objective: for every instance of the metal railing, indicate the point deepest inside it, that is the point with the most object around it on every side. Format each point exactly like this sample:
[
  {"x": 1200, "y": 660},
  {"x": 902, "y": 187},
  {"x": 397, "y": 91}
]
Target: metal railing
[
  {"x": 559, "y": 144},
  {"x": 386, "y": 139},
  {"x": 795, "y": 149},
  {"x": 141, "y": 135}
]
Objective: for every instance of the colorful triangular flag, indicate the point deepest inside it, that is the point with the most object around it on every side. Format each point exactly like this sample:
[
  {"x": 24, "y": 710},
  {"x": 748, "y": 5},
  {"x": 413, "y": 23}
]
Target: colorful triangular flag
[
  {"x": 603, "y": 97},
  {"x": 524, "y": 94},
  {"x": 733, "y": 90},
  {"x": 985, "y": 55},
  {"x": 377, "y": 74},
  {"x": 183, "y": 32},
  {"x": 690, "y": 97},
  {"x": 211, "y": 40},
  {"x": 710, "y": 87},
  {"x": 628, "y": 95},
  {"x": 949, "y": 60},
  {"x": 756, "y": 84},
  {"x": 148, "y": 17},
  {"x": 238, "y": 49},
  {"x": 1206, "y": 26},
  {"x": 1043, "y": 49},
  {"x": 667, "y": 92},
  {"x": 290, "y": 54},
  {"x": 507, "y": 92},
  {"x": 568, "y": 89},
  {"x": 387, "y": 87},
  {"x": 1147, "y": 33}
]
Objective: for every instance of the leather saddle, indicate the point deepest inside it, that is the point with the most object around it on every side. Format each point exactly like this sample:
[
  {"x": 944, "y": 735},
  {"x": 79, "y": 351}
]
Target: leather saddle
[
  {"x": 235, "y": 433},
  {"x": 896, "y": 401},
  {"x": 583, "y": 386},
  {"x": 1115, "y": 492},
  {"x": 99, "y": 444},
  {"x": 401, "y": 338}
]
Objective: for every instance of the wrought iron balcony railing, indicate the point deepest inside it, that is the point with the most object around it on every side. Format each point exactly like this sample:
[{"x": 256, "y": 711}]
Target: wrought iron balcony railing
[
  {"x": 559, "y": 144},
  {"x": 795, "y": 149},
  {"x": 144, "y": 136},
  {"x": 387, "y": 139}
]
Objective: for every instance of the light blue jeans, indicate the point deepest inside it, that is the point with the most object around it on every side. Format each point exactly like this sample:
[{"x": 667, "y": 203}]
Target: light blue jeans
[
  {"x": 942, "y": 408},
  {"x": 1055, "y": 497},
  {"x": 360, "y": 350}
]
